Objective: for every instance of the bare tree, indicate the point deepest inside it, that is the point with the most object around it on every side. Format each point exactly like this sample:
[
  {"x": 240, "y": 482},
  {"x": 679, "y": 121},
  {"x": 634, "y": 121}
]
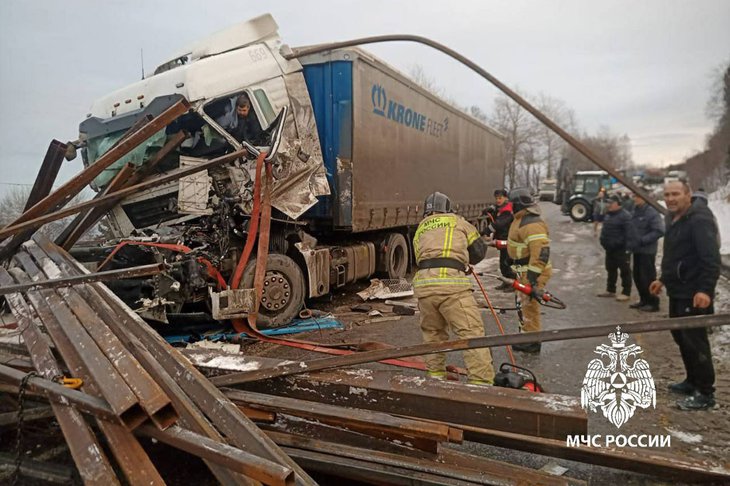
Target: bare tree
[
  {"x": 612, "y": 149},
  {"x": 517, "y": 125},
  {"x": 552, "y": 145},
  {"x": 13, "y": 203}
]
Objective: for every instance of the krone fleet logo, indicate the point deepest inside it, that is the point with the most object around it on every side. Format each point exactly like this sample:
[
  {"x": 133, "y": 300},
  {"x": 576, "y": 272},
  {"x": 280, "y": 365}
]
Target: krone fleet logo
[{"x": 619, "y": 386}]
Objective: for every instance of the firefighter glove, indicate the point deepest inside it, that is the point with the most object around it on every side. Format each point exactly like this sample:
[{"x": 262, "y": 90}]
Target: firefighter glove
[
  {"x": 537, "y": 294},
  {"x": 532, "y": 277}
]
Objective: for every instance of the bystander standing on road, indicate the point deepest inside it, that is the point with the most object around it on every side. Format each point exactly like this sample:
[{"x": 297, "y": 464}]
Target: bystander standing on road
[
  {"x": 500, "y": 220},
  {"x": 600, "y": 203},
  {"x": 689, "y": 271},
  {"x": 649, "y": 227},
  {"x": 617, "y": 238}
]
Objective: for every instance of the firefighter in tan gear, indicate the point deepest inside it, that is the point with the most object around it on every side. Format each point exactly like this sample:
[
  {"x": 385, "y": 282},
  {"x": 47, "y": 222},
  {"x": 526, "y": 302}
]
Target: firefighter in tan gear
[
  {"x": 444, "y": 245},
  {"x": 528, "y": 246}
]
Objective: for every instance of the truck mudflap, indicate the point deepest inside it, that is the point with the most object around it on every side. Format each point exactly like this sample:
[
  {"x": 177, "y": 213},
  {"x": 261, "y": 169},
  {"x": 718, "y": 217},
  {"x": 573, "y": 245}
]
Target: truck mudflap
[{"x": 299, "y": 173}]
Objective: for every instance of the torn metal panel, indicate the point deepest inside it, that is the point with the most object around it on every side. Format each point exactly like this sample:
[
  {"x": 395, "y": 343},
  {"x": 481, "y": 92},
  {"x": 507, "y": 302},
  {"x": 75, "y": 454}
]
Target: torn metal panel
[
  {"x": 232, "y": 303},
  {"x": 318, "y": 269},
  {"x": 387, "y": 289},
  {"x": 300, "y": 164},
  {"x": 193, "y": 189}
]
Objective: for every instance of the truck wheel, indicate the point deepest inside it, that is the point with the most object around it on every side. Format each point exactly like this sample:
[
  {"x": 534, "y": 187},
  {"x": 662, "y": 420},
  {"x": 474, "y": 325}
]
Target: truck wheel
[
  {"x": 283, "y": 294},
  {"x": 396, "y": 256},
  {"x": 579, "y": 211}
]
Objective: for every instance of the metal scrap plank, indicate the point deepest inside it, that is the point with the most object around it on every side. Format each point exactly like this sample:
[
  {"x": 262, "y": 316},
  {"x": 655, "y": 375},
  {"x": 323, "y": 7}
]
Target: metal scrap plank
[
  {"x": 88, "y": 456},
  {"x": 60, "y": 321},
  {"x": 150, "y": 396}
]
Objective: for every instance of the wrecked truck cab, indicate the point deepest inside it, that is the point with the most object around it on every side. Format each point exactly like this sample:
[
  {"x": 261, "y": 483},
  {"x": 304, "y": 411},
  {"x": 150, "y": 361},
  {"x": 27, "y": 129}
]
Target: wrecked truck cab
[{"x": 344, "y": 203}]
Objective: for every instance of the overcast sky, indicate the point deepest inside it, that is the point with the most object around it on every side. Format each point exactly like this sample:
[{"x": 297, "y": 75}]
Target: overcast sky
[{"x": 642, "y": 68}]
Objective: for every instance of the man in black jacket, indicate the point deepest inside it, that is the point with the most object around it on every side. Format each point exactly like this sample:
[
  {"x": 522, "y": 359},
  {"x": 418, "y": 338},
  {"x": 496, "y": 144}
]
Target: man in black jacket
[
  {"x": 501, "y": 217},
  {"x": 690, "y": 269},
  {"x": 617, "y": 238},
  {"x": 649, "y": 227}
]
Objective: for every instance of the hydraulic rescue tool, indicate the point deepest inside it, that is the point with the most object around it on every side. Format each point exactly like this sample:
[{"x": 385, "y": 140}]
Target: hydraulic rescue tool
[
  {"x": 518, "y": 377},
  {"x": 542, "y": 296}
]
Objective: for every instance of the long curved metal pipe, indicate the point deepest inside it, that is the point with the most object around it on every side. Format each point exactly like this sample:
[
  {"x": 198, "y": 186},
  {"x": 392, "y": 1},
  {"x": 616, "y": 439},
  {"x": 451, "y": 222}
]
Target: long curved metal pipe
[{"x": 580, "y": 147}]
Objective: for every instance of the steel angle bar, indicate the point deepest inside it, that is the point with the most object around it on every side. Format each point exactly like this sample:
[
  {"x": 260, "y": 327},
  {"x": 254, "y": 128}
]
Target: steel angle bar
[
  {"x": 488, "y": 472},
  {"x": 255, "y": 467},
  {"x": 376, "y": 424},
  {"x": 71, "y": 232},
  {"x": 132, "y": 459},
  {"x": 671, "y": 467},
  {"x": 115, "y": 196},
  {"x": 190, "y": 414},
  {"x": 64, "y": 328},
  {"x": 457, "y": 404},
  {"x": 150, "y": 396},
  {"x": 30, "y": 468},
  {"x": 90, "y": 460},
  {"x": 122, "y": 273},
  {"x": 366, "y": 472},
  {"x": 60, "y": 197},
  {"x": 57, "y": 393},
  {"x": 47, "y": 174},
  {"x": 64, "y": 193},
  {"x": 98, "y": 212},
  {"x": 472, "y": 343},
  {"x": 29, "y": 414},
  {"x": 238, "y": 429}
]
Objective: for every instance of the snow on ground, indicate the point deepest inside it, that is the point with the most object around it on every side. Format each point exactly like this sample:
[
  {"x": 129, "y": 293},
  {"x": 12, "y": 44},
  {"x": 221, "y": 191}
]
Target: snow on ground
[{"x": 720, "y": 206}]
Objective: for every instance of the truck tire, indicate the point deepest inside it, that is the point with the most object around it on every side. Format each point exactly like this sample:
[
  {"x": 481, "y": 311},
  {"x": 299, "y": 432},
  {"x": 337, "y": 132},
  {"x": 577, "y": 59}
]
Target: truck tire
[
  {"x": 283, "y": 294},
  {"x": 396, "y": 256},
  {"x": 579, "y": 211}
]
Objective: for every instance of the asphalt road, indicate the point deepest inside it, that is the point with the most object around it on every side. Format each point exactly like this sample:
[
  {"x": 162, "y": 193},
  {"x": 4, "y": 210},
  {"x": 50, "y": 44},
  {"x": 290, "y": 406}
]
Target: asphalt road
[{"x": 578, "y": 275}]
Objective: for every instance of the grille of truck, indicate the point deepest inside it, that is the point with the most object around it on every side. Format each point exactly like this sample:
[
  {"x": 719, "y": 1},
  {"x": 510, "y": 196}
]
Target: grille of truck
[{"x": 153, "y": 211}]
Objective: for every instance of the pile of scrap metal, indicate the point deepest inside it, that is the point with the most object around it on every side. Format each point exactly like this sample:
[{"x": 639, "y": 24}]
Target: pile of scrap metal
[
  {"x": 132, "y": 383},
  {"x": 282, "y": 418}
]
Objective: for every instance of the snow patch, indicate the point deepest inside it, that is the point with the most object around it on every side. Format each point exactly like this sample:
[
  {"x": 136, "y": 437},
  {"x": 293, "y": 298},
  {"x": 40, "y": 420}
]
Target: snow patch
[
  {"x": 358, "y": 391},
  {"x": 229, "y": 363},
  {"x": 559, "y": 403},
  {"x": 719, "y": 202},
  {"x": 685, "y": 436}
]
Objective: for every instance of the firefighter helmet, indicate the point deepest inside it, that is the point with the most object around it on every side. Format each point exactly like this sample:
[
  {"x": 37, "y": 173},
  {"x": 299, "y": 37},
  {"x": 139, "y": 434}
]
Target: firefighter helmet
[
  {"x": 437, "y": 203},
  {"x": 521, "y": 198}
]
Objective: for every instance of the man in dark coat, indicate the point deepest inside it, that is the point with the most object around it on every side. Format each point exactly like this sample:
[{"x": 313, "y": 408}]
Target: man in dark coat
[
  {"x": 689, "y": 271},
  {"x": 617, "y": 238},
  {"x": 246, "y": 126},
  {"x": 649, "y": 227},
  {"x": 501, "y": 217}
]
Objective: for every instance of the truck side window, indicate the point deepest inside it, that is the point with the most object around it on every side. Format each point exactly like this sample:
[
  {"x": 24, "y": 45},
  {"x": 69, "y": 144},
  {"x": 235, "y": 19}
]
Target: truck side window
[{"x": 267, "y": 111}]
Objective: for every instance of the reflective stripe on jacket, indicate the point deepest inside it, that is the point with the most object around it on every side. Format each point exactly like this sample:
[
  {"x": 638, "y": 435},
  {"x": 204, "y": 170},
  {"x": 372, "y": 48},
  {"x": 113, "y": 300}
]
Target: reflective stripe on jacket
[
  {"x": 528, "y": 242},
  {"x": 443, "y": 236}
]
